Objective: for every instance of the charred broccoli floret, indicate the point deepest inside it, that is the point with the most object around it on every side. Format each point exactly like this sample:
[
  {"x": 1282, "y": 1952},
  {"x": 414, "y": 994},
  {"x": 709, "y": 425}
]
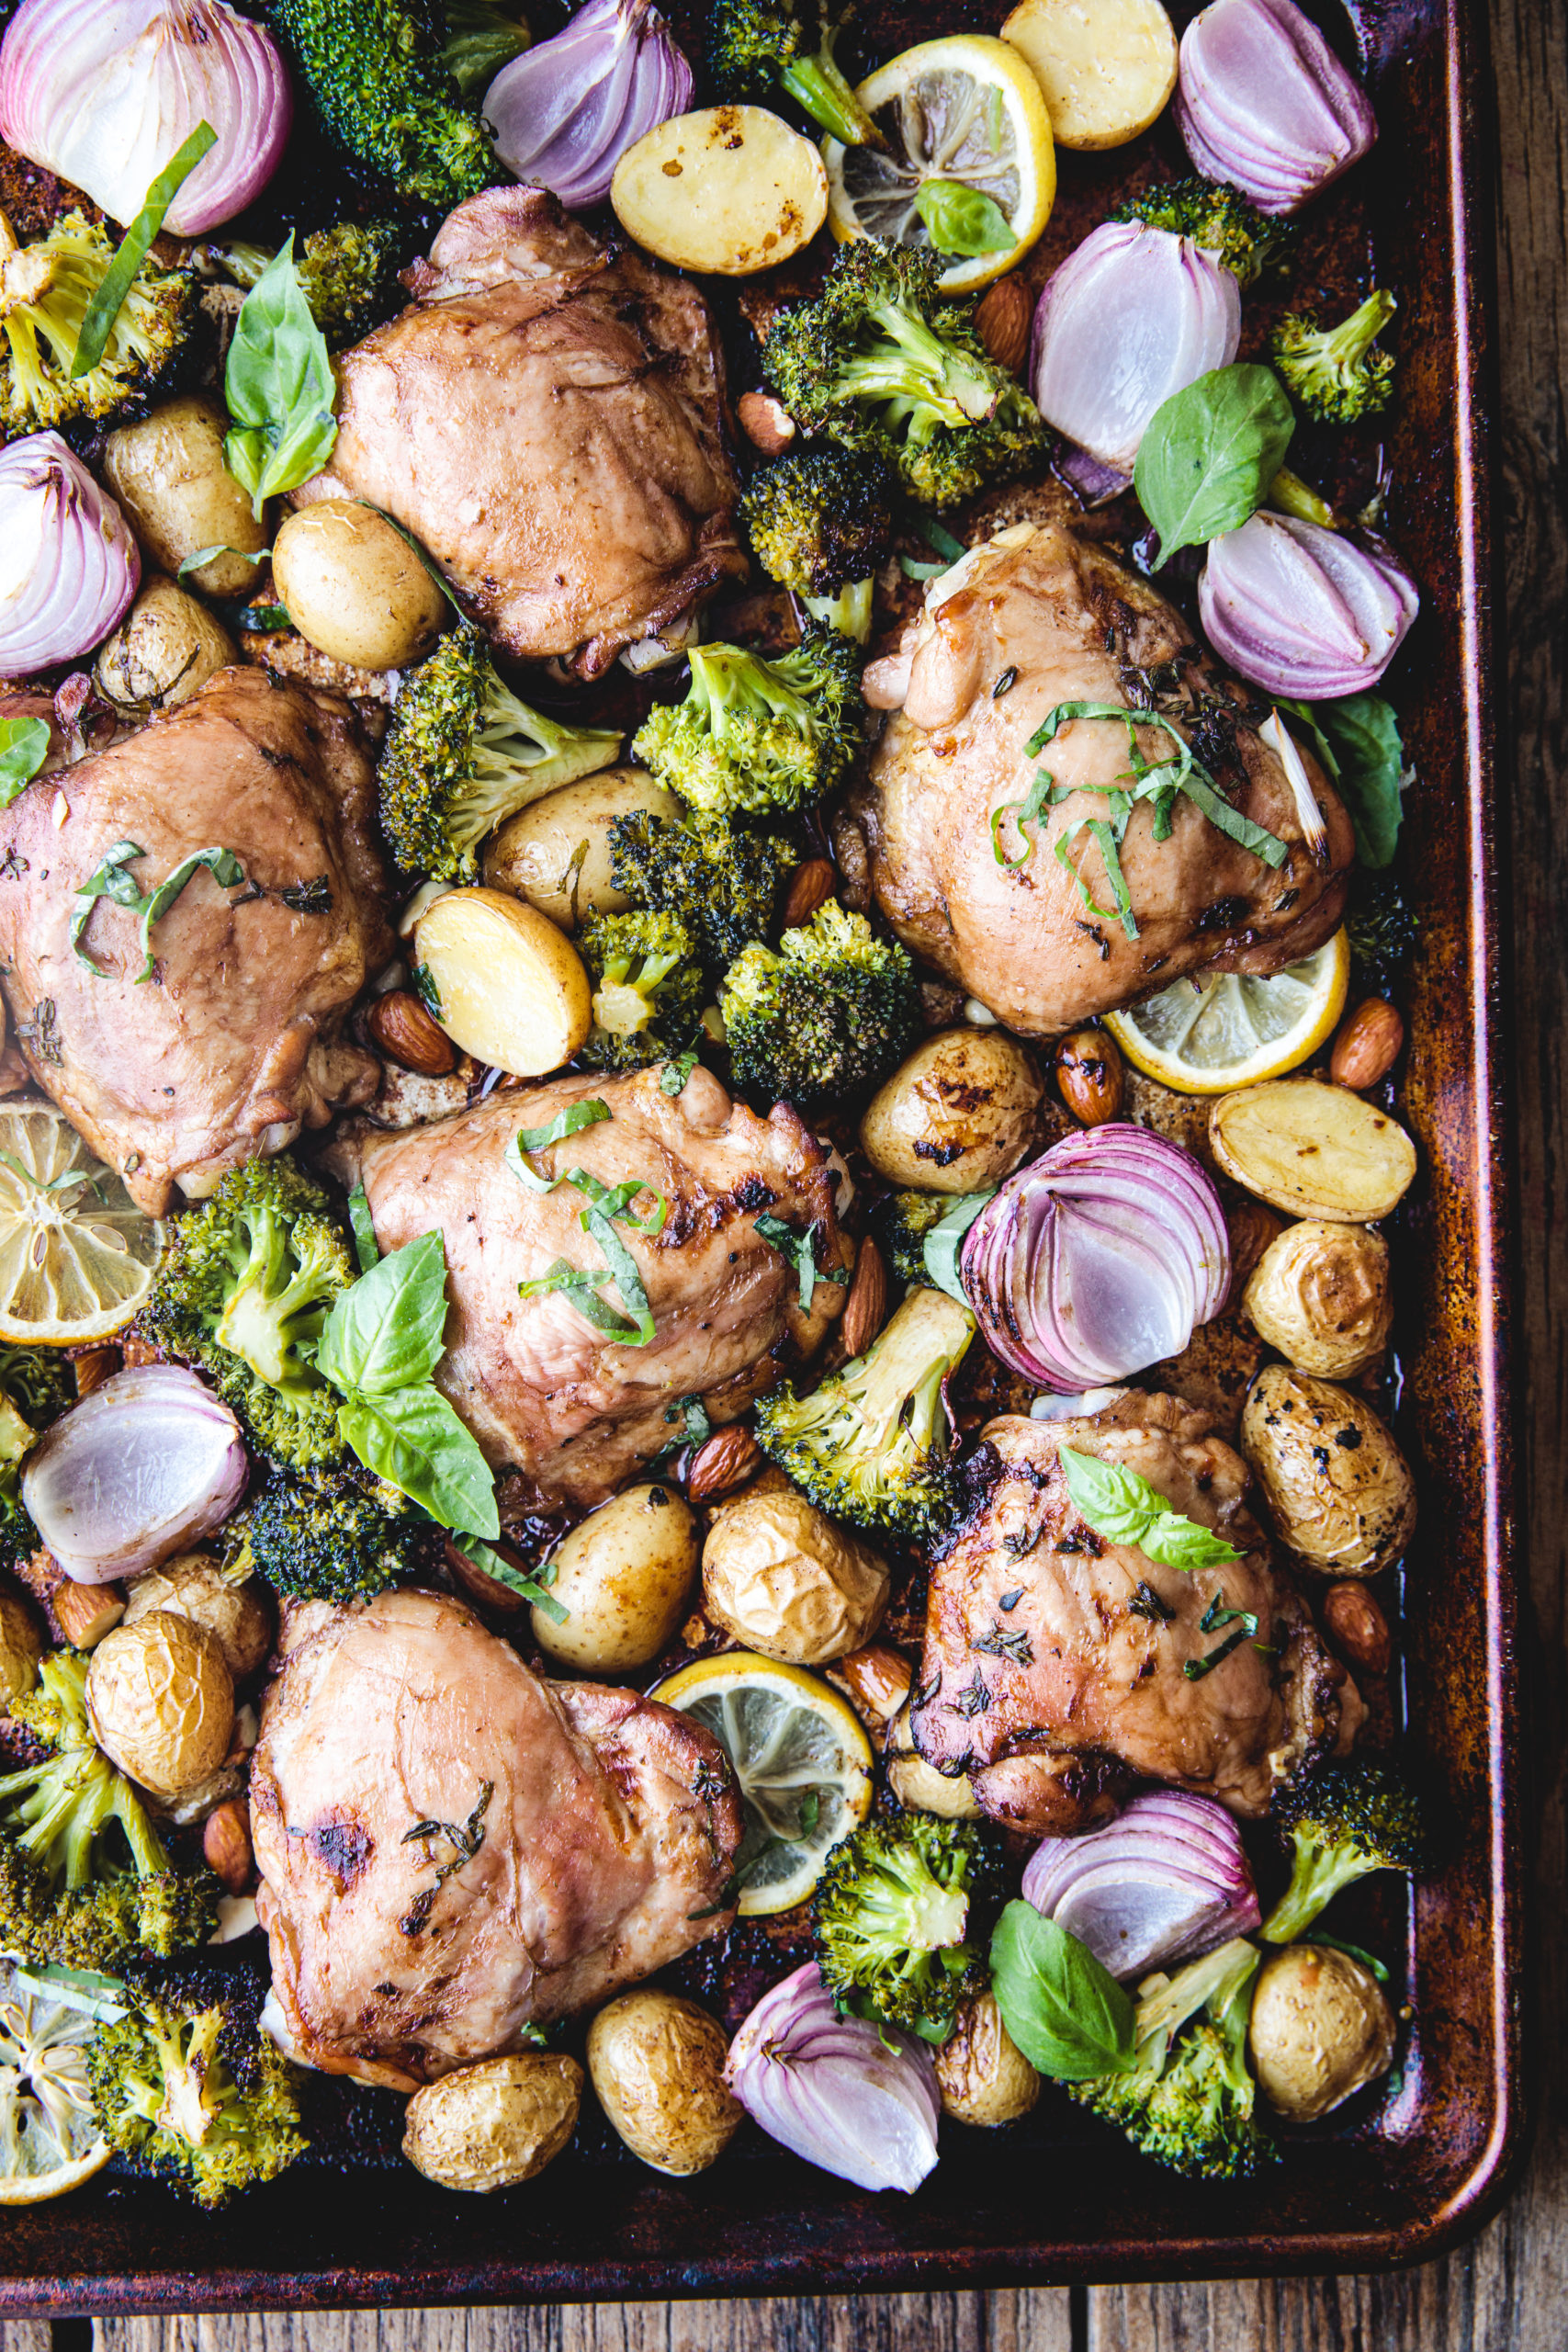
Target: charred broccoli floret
[
  {"x": 891, "y": 1911},
  {"x": 338, "y": 1536},
  {"x": 1344, "y": 1821},
  {"x": 1188, "y": 2099},
  {"x": 831, "y": 1013},
  {"x": 1218, "y": 218},
  {"x": 753, "y": 735},
  {"x": 821, "y": 524},
  {"x": 882, "y": 363},
  {"x": 902, "y": 1222},
  {"x": 348, "y": 273},
  {"x": 187, "y": 2087},
  {"x": 871, "y": 1443},
  {"x": 385, "y": 96},
  {"x": 464, "y": 753},
  {"x": 45, "y": 291},
  {"x": 647, "y": 988},
  {"x": 1334, "y": 372},
  {"x": 246, "y": 1283},
  {"x": 1382, "y": 929},
  {"x": 39, "y": 1382},
  {"x": 755, "y": 48},
  {"x": 723, "y": 881}
]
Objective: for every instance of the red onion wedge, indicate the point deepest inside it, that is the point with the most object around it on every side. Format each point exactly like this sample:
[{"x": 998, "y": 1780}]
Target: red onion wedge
[
  {"x": 1263, "y": 102},
  {"x": 565, "y": 112},
  {"x": 1303, "y": 611},
  {"x": 858, "y": 2100},
  {"x": 104, "y": 92},
  {"x": 68, "y": 564},
  {"x": 1099, "y": 1257},
  {"x": 1165, "y": 1882},
  {"x": 1133, "y": 315},
  {"x": 143, "y": 1467}
]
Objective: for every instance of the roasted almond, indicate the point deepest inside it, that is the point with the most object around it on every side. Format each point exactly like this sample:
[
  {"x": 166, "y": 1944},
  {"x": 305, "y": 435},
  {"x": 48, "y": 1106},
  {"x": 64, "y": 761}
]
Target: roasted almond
[
  {"x": 1002, "y": 321},
  {"x": 226, "y": 1845},
  {"x": 1368, "y": 1045},
  {"x": 866, "y": 1310},
  {"x": 1090, "y": 1075},
  {"x": 80, "y": 1614},
  {"x": 400, "y": 1025},
  {"x": 766, "y": 422},
  {"x": 813, "y": 886},
  {"x": 876, "y": 1681},
  {"x": 1357, "y": 1627},
  {"x": 93, "y": 1366},
  {"x": 722, "y": 1462}
]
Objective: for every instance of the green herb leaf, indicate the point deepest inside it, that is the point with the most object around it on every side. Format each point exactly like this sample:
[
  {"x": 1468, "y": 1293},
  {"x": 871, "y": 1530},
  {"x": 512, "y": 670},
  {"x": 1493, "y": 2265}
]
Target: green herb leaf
[
  {"x": 413, "y": 1438},
  {"x": 943, "y": 1244},
  {"x": 1210, "y": 453},
  {"x": 914, "y": 569},
  {"x": 623, "y": 1271},
  {"x": 99, "y": 1997},
  {"x": 1195, "y": 1668},
  {"x": 279, "y": 387},
  {"x": 800, "y": 1248},
  {"x": 937, "y": 535},
  {"x": 1369, "y": 1961},
  {"x": 490, "y": 1563},
  {"x": 387, "y": 1330},
  {"x": 962, "y": 220},
  {"x": 1066, "y": 2013},
  {"x": 695, "y": 1428},
  {"x": 425, "y": 988},
  {"x": 24, "y": 747},
  {"x": 133, "y": 249},
  {"x": 570, "y": 1122},
  {"x": 366, "y": 1248},
  {"x": 205, "y": 555},
  {"x": 676, "y": 1071},
  {"x": 114, "y": 881},
  {"x": 1357, "y": 739},
  {"x": 1124, "y": 1509}
]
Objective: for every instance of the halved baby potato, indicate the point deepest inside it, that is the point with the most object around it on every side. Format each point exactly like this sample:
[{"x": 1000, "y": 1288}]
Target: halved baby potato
[
  {"x": 503, "y": 981},
  {"x": 729, "y": 190},
  {"x": 557, "y": 853},
  {"x": 1316, "y": 1150},
  {"x": 1106, "y": 67}
]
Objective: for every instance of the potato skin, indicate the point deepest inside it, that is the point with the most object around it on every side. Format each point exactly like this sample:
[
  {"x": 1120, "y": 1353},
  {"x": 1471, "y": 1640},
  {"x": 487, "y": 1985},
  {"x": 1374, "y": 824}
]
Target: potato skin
[
  {"x": 532, "y": 854},
  {"x": 787, "y": 1582},
  {"x": 1338, "y": 1489},
  {"x": 657, "y": 2065},
  {"x": 623, "y": 1575},
  {"x": 161, "y": 1702},
  {"x": 1321, "y": 2029},
  {"x": 354, "y": 588},
  {"x": 193, "y": 1585},
  {"x": 731, "y": 189},
  {"x": 958, "y": 1115},
  {"x": 167, "y": 646},
  {"x": 1320, "y": 1294},
  {"x": 982, "y": 2075},
  {"x": 167, "y": 472},
  {"x": 495, "y": 2124}
]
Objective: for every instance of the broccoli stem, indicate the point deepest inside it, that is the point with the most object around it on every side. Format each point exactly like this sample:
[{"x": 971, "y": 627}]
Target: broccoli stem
[
  {"x": 817, "y": 85},
  {"x": 849, "y": 611},
  {"x": 914, "y": 367},
  {"x": 1317, "y": 1875},
  {"x": 1343, "y": 345}
]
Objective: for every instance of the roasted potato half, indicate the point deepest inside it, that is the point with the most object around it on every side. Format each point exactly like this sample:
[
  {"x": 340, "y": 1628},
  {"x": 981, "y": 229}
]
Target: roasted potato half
[
  {"x": 657, "y": 2066},
  {"x": 354, "y": 588},
  {"x": 1314, "y": 1150},
  {"x": 557, "y": 853},
  {"x": 167, "y": 646},
  {"x": 1320, "y": 2031},
  {"x": 503, "y": 983},
  {"x": 958, "y": 1115},
  {"x": 167, "y": 472},
  {"x": 982, "y": 2075},
  {"x": 732, "y": 189},
  {"x": 1106, "y": 67},
  {"x": 1320, "y": 1294},
  {"x": 1337, "y": 1488}
]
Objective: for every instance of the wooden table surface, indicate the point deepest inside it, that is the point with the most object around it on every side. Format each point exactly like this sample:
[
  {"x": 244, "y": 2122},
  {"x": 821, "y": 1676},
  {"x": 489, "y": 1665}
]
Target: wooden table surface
[{"x": 1508, "y": 2292}]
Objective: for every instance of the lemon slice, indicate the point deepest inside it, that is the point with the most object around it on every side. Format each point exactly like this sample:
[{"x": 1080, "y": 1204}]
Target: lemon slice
[
  {"x": 1230, "y": 1029},
  {"x": 801, "y": 1759},
  {"x": 77, "y": 1256},
  {"x": 968, "y": 112},
  {"x": 50, "y": 2140}
]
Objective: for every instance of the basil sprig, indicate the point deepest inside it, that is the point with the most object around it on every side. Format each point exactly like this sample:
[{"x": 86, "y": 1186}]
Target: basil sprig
[
  {"x": 24, "y": 747},
  {"x": 570, "y": 1122},
  {"x": 1209, "y": 454},
  {"x": 279, "y": 386},
  {"x": 1062, "y": 2007},
  {"x": 490, "y": 1562},
  {"x": 1124, "y": 1509},
  {"x": 800, "y": 1250},
  {"x": 1358, "y": 741},
  {"x": 133, "y": 249},
  {"x": 962, "y": 220},
  {"x": 115, "y": 882}
]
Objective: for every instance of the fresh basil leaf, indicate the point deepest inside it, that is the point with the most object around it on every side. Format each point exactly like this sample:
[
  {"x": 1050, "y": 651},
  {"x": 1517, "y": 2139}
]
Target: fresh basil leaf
[
  {"x": 424, "y": 987},
  {"x": 1210, "y": 453},
  {"x": 914, "y": 569},
  {"x": 943, "y": 1242},
  {"x": 800, "y": 1250},
  {"x": 570, "y": 1122},
  {"x": 1369, "y": 1961},
  {"x": 388, "y": 1330},
  {"x": 412, "y": 1438},
  {"x": 937, "y": 535},
  {"x": 205, "y": 555},
  {"x": 24, "y": 747},
  {"x": 133, "y": 249},
  {"x": 962, "y": 220},
  {"x": 1124, "y": 1509},
  {"x": 696, "y": 1427},
  {"x": 279, "y": 387},
  {"x": 676, "y": 1071},
  {"x": 1066, "y": 2013},
  {"x": 1357, "y": 739},
  {"x": 366, "y": 1248},
  {"x": 226, "y": 871},
  {"x": 623, "y": 1270},
  {"x": 105, "y": 1997},
  {"x": 114, "y": 881},
  {"x": 490, "y": 1563}
]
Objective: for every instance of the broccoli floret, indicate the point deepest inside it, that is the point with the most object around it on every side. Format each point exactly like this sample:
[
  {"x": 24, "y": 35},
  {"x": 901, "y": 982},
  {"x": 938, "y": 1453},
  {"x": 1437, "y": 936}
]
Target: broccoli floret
[
  {"x": 755, "y": 737},
  {"x": 1334, "y": 371},
  {"x": 84, "y": 1876},
  {"x": 1382, "y": 929},
  {"x": 464, "y": 753},
  {"x": 39, "y": 1382},
  {"x": 187, "y": 2087},
  {"x": 348, "y": 273},
  {"x": 338, "y": 1536},
  {"x": 723, "y": 881},
  {"x": 870, "y": 1444},
  {"x": 1344, "y": 1820},
  {"x": 18, "y": 1537},
  {"x": 45, "y": 290},
  {"x": 1188, "y": 2099},
  {"x": 382, "y": 89},
  {"x": 891, "y": 1911},
  {"x": 831, "y": 1013},
  {"x": 902, "y": 1222},
  {"x": 883, "y": 365},
  {"x": 647, "y": 988},
  {"x": 755, "y": 48},
  {"x": 821, "y": 525},
  {"x": 246, "y": 1282},
  {"x": 1218, "y": 218}
]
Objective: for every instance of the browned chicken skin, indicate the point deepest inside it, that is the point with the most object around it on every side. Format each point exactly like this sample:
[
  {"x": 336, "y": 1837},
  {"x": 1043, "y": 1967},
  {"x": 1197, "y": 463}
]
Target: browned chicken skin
[
  {"x": 542, "y": 1390},
  {"x": 233, "y": 1044},
  {"x": 1064, "y": 622},
  {"x": 1053, "y": 1660},
  {"x": 547, "y": 419},
  {"x": 595, "y": 1834}
]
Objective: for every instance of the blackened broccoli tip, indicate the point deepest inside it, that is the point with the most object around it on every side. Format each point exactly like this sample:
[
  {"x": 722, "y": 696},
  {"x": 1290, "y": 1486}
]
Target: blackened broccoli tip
[
  {"x": 755, "y": 48},
  {"x": 647, "y": 988},
  {"x": 758, "y": 737},
  {"x": 901, "y": 1223},
  {"x": 338, "y": 1536},
  {"x": 1188, "y": 2098},
  {"x": 1343, "y": 1821},
  {"x": 870, "y": 1444},
  {"x": 464, "y": 753},
  {"x": 891, "y": 1913},
  {"x": 723, "y": 881},
  {"x": 1336, "y": 373},
  {"x": 39, "y": 1382},
  {"x": 1219, "y": 219},
  {"x": 45, "y": 291},
  {"x": 830, "y": 1014},
  {"x": 348, "y": 276},
  {"x": 245, "y": 1285},
  {"x": 821, "y": 519},
  {"x": 380, "y": 85},
  {"x": 1381, "y": 928}
]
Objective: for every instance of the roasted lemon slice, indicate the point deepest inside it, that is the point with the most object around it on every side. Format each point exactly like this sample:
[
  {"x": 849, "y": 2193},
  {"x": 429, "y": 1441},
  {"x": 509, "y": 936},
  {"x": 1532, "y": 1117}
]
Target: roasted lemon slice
[
  {"x": 76, "y": 1254},
  {"x": 800, "y": 1757},
  {"x": 1209, "y": 1035},
  {"x": 50, "y": 2140},
  {"x": 970, "y": 165}
]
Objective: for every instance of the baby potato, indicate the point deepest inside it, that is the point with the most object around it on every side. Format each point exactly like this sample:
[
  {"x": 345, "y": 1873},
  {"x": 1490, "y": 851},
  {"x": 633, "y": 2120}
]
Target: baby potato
[
  {"x": 557, "y": 853},
  {"x": 732, "y": 189},
  {"x": 1313, "y": 1151},
  {"x": 354, "y": 587},
  {"x": 1321, "y": 2029},
  {"x": 1106, "y": 67},
  {"x": 503, "y": 983},
  {"x": 167, "y": 646},
  {"x": 657, "y": 2065},
  {"x": 495, "y": 2124},
  {"x": 623, "y": 1576},
  {"x": 195, "y": 1586},
  {"x": 958, "y": 1115},
  {"x": 919, "y": 1786},
  {"x": 161, "y": 1702},
  {"x": 167, "y": 472},
  {"x": 21, "y": 1647},
  {"x": 1320, "y": 1294},
  {"x": 785, "y": 1581},
  {"x": 1338, "y": 1489},
  {"x": 982, "y": 2075}
]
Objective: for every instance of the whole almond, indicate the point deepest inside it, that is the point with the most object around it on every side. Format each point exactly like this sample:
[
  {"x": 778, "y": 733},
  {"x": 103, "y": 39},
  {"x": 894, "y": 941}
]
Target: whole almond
[
  {"x": 722, "y": 1462},
  {"x": 766, "y": 423},
  {"x": 866, "y": 1310},
  {"x": 1368, "y": 1045},
  {"x": 1090, "y": 1075},
  {"x": 226, "y": 1845},
  {"x": 1002, "y": 321},
  {"x": 400, "y": 1025},
  {"x": 876, "y": 1681},
  {"x": 93, "y": 1366},
  {"x": 813, "y": 886},
  {"x": 1357, "y": 1627}
]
